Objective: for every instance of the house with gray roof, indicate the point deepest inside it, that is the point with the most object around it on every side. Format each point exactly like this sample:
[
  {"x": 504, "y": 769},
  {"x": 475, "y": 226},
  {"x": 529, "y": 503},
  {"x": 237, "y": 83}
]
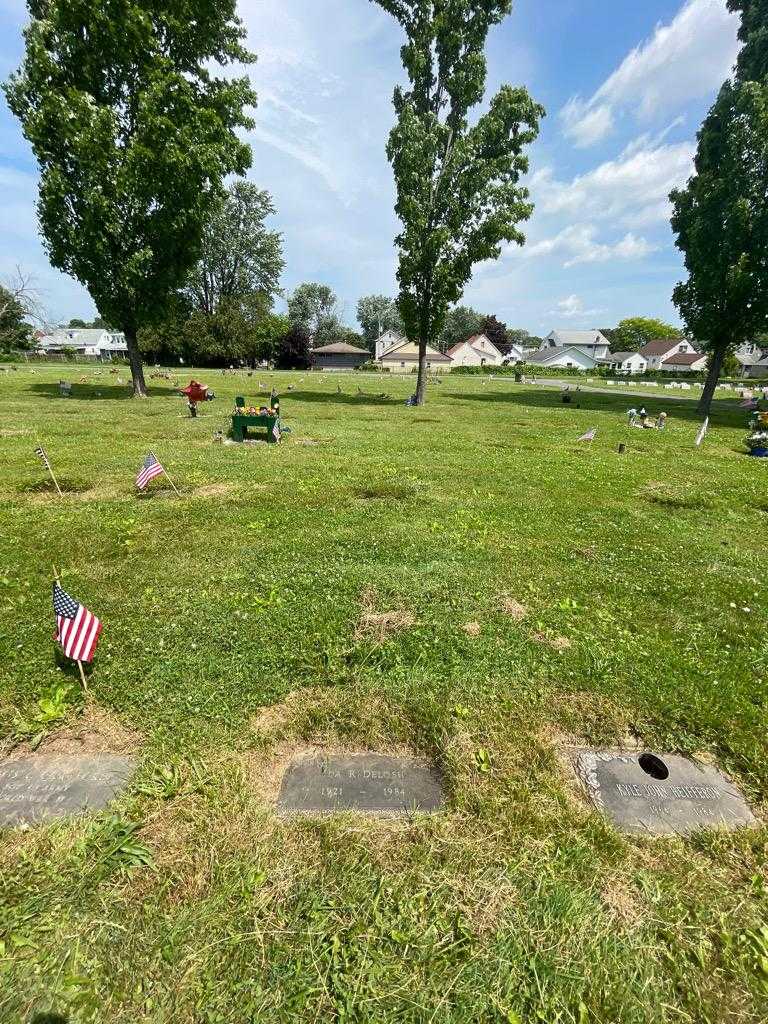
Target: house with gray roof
[
  {"x": 593, "y": 344},
  {"x": 86, "y": 341}
]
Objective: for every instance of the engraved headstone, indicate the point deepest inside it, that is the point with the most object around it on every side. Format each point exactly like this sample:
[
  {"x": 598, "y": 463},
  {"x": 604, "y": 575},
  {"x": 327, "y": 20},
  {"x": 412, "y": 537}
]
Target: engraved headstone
[
  {"x": 33, "y": 788},
  {"x": 370, "y": 783},
  {"x": 664, "y": 794}
]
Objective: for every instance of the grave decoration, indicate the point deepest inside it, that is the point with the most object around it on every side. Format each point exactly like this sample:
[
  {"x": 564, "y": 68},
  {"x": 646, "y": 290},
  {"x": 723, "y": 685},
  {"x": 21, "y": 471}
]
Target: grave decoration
[
  {"x": 757, "y": 439},
  {"x": 196, "y": 392},
  {"x": 249, "y": 417},
  {"x": 660, "y": 795},
  {"x": 40, "y": 787},
  {"x": 367, "y": 783}
]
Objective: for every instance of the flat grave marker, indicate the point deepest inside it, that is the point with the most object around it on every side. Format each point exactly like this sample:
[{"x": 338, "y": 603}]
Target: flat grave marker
[
  {"x": 370, "y": 783},
  {"x": 56, "y": 786},
  {"x": 660, "y": 794}
]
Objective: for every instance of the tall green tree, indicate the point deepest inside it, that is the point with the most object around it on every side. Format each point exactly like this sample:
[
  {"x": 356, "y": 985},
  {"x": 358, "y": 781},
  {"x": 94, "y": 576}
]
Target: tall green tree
[
  {"x": 239, "y": 258},
  {"x": 458, "y": 191},
  {"x": 134, "y": 134},
  {"x": 376, "y": 314},
  {"x": 633, "y": 332},
  {"x": 314, "y": 308},
  {"x": 720, "y": 218},
  {"x": 15, "y": 330},
  {"x": 461, "y": 322},
  {"x": 496, "y": 331}
]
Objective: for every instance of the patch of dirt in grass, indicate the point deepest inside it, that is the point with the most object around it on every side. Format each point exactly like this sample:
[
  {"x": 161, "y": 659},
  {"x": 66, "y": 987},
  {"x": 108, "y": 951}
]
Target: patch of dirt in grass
[
  {"x": 621, "y": 902},
  {"x": 68, "y": 485},
  {"x": 94, "y": 731},
  {"x": 472, "y": 628},
  {"x": 513, "y": 608},
  {"x": 377, "y": 626},
  {"x": 590, "y": 552},
  {"x": 384, "y": 491},
  {"x": 557, "y": 643},
  {"x": 214, "y": 490}
]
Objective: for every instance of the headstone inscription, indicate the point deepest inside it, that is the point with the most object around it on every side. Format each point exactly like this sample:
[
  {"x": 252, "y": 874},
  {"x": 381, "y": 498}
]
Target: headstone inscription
[
  {"x": 371, "y": 783},
  {"x": 34, "y": 788},
  {"x": 665, "y": 794}
]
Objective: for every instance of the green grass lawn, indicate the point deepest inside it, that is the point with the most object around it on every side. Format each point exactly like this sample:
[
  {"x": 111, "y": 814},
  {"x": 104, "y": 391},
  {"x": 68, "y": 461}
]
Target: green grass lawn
[{"x": 241, "y": 626}]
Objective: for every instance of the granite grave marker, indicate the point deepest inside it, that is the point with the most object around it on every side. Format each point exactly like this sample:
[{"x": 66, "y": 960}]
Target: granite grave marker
[
  {"x": 371, "y": 783},
  {"x": 666, "y": 794},
  {"x": 55, "y": 786}
]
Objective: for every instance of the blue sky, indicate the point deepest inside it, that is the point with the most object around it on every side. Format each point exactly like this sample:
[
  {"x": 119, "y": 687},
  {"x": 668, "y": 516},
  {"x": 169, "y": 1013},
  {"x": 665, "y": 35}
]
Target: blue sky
[{"x": 625, "y": 85}]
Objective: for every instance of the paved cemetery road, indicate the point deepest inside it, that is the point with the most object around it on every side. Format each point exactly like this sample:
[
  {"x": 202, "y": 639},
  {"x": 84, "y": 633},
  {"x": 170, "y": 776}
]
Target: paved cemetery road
[{"x": 663, "y": 394}]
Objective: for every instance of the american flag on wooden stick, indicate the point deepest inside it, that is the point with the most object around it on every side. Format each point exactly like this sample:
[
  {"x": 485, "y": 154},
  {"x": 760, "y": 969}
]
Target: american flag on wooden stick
[
  {"x": 77, "y": 629},
  {"x": 149, "y": 470},
  {"x": 589, "y": 436},
  {"x": 41, "y": 453}
]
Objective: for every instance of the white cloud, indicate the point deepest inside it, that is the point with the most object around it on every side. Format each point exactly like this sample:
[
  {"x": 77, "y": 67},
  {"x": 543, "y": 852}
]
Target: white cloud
[
  {"x": 683, "y": 61},
  {"x": 572, "y": 307},
  {"x": 633, "y": 188},
  {"x": 578, "y": 243}
]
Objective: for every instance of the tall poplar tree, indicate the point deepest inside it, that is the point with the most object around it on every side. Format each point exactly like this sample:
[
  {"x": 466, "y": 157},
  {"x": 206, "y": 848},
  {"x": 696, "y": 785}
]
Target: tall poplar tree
[
  {"x": 458, "y": 191},
  {"x": 134, "y": 134},
  {"x": 720, "y": 218}
]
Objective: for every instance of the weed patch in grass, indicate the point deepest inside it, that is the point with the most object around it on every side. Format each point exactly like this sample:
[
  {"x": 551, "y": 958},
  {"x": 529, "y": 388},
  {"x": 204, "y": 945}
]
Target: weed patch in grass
[
  {"x": 376, "y": 626},
  {"x": 386, "y": 491}
]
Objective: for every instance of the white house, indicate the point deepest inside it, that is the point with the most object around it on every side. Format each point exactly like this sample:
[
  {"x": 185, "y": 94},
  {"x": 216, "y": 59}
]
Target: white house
[
  {"x": 88, "y": 341},
  {"x": 624, "y": 362},
  {"x": 572, "y": 357},
  {"x": 685, "y": 362},
  {"x": 403, "y": 357},
  {"x": 591, "y": 343},
  {"x": 386, "y": 341},
  {"x": 658, "y": 353},
  {"x": 478, "y": 350}
]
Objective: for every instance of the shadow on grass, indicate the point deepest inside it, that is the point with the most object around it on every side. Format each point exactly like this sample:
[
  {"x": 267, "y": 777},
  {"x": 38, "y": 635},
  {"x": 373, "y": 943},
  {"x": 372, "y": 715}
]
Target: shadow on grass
[
  {"x": 108, "y": 391},
  {"x": 588, "y": 400},
  {"x": 334, "y": 398}
]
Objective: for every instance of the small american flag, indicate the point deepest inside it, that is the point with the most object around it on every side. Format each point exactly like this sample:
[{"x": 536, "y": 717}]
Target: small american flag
[
  {"x": 41, "y": 454},
  {"x": 149, "y": 470},
  {"x": 77, "y": 630},
  {"x": 276, "y": 430},
  {"x": 703, "y": 431},
  {"x": 590, "y": 435}
]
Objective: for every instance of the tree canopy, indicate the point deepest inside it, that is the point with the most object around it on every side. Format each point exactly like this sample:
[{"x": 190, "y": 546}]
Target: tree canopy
[
  {"x": 720, "y": 218},
  {"x": 314, "y": 308},
  {"x": 461, "y": 322},
  {"x": 239, "y": 257},
  {"x": 15, "y": 330},
  {"x": 633, "y": 332},
  {"x": 458, "y": 191},
  {"x": 134, "y": 133},
  {"x": 376, "y": 314}
]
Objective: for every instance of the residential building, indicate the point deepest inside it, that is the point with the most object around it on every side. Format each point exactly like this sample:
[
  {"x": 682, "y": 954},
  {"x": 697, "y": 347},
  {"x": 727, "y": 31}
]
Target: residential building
[
  {"x": 87, "y": 341},
  {"x": 759, "y": 369},
  {"x": 403, "y": 357},
  {"x": 657, "y": 353},
  {"x": 624, "y": 362},
  {"x": 385, "y": 342},
  {"x": 591, "y": 343},
  {"x": 685, "y": 362},
  {"x": 575, "y": 358},
  {"x": 478, "y": 350},
  {"x": 339, "y": 356}
]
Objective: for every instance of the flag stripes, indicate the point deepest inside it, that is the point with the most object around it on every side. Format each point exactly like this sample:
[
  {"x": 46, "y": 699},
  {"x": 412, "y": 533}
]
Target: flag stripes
[
  {"x": 150, "y": 468},
  {"x": 77, "y": 629}
]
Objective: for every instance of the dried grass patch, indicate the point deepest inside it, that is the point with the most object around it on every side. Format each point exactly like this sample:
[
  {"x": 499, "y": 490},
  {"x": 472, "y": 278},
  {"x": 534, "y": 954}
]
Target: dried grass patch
[
  {"x": 557, "y": 643},
  {"x": 622, "y": 902},
  {"x": 94, "y": 731},
  {"x": 377, "y": 626},
  {"x": 214, "y": 490},
  {"x": 509, "y": 606},
  {"x": 472, "y": 628}
]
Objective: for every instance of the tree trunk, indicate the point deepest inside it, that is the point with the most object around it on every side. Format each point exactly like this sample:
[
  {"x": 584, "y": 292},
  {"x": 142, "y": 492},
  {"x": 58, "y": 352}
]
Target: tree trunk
[
  {"x": 137, "y": 370},
  {"x": 421, "y": 380},
  {"x": 715, "y": 367}
]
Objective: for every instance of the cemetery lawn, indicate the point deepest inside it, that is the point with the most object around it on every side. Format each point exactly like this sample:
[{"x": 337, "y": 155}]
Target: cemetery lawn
[{"x": 464, "y": 581}]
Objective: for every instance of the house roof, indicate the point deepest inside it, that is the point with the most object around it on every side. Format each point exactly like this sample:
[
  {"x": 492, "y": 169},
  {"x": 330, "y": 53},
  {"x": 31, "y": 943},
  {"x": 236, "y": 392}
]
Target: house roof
[
  {"x": 396, "y": 352},
  {"x": 619, "y": 357},
  {"x": 568, "y": 338},
  {"x": 341, "y": 348},
  {"x": 683, "y": 359},
  {"x": 660, "y": 346},
  {"x": 546, "y": 355}
]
